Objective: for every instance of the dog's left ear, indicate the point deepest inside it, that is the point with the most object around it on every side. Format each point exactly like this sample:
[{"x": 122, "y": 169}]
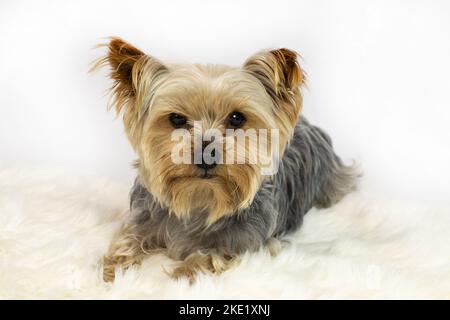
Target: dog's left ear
[{"x": 281, "y": 75}]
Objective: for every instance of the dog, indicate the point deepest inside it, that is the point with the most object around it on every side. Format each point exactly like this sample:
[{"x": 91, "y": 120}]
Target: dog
[{"x": 205, "y": 214}]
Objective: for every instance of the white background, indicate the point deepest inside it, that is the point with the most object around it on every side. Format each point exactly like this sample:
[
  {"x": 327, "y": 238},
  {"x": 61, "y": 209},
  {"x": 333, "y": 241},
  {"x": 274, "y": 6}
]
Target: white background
[{"x": 378, "y": 78}]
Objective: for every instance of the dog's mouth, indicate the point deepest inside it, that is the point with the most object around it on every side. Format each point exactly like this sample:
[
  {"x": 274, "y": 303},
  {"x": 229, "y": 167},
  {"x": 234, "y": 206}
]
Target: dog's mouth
[{"x": 206, "y": 175}]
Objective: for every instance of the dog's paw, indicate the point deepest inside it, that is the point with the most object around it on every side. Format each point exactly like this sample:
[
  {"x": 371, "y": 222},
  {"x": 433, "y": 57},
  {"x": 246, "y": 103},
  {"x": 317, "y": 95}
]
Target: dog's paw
[
  {"x": 204, "y": 262},
  {"x": 124, "y": 252},
  {"x": 109, "y": 269}
]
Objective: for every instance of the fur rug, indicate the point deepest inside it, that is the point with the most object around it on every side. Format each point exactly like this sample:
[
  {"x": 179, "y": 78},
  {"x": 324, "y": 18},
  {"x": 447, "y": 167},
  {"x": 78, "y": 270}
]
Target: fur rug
[{"x": 54, "y": 228}]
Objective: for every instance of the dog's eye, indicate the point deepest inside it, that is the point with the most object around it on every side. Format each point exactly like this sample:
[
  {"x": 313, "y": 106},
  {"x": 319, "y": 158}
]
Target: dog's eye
[
  {"x": 177, "y": 120},
  {"x": 236, "y": 120}
]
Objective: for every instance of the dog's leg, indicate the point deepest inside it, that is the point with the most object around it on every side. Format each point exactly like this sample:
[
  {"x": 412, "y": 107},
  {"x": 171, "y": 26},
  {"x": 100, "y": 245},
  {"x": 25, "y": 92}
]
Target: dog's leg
[
  {"x": 211, "y": 261},
  {"x": 125, "y": 251}
]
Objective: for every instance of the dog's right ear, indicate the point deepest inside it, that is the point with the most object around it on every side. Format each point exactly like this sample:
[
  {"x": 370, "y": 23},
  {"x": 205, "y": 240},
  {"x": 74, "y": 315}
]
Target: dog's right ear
[
  {"x": 122, "y": 57},
  {"x": 135, "y": 77}
]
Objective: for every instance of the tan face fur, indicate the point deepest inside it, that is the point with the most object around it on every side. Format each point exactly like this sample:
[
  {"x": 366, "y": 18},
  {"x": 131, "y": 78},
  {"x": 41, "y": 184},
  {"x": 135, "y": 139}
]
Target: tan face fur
[{"x": 265, "y": 90}]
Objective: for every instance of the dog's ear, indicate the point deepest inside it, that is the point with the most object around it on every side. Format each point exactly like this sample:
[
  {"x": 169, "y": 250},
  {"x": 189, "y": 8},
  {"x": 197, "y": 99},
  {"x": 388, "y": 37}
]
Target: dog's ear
[
  {"x": 122, "y": 57},
  {"x": 280, "y": 73},
  {"x": 135, "y": 77}
]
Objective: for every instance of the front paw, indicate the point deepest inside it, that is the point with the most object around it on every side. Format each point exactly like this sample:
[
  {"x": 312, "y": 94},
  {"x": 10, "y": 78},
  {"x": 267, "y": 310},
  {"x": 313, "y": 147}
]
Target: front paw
[
  {"x": 203, "y": 261},
  {"x": 124, "y": 251},
  {"x": 109, "y": 269}
]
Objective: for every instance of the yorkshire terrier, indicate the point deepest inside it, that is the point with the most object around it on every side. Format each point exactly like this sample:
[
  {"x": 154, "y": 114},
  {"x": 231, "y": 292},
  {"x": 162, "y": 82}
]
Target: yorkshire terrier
[{"x": 205, "y": 212}]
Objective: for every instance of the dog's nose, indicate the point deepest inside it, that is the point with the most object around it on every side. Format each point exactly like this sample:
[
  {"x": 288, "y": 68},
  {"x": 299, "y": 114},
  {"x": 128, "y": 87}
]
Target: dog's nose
[{"x": 203, "y": 165}]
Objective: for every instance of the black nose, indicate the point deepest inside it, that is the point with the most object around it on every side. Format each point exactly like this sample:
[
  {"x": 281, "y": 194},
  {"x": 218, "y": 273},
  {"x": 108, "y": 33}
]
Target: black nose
[{"x": 203, "y": 165}]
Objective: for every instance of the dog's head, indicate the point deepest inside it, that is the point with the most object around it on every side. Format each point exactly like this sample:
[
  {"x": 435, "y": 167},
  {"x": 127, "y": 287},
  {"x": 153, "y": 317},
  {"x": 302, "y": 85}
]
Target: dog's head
[{"x": 205, "y": 103}]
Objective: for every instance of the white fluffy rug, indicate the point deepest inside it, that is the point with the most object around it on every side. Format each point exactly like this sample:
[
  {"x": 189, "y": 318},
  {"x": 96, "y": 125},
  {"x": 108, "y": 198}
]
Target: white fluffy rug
[{"x": 54, "y": 229}]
